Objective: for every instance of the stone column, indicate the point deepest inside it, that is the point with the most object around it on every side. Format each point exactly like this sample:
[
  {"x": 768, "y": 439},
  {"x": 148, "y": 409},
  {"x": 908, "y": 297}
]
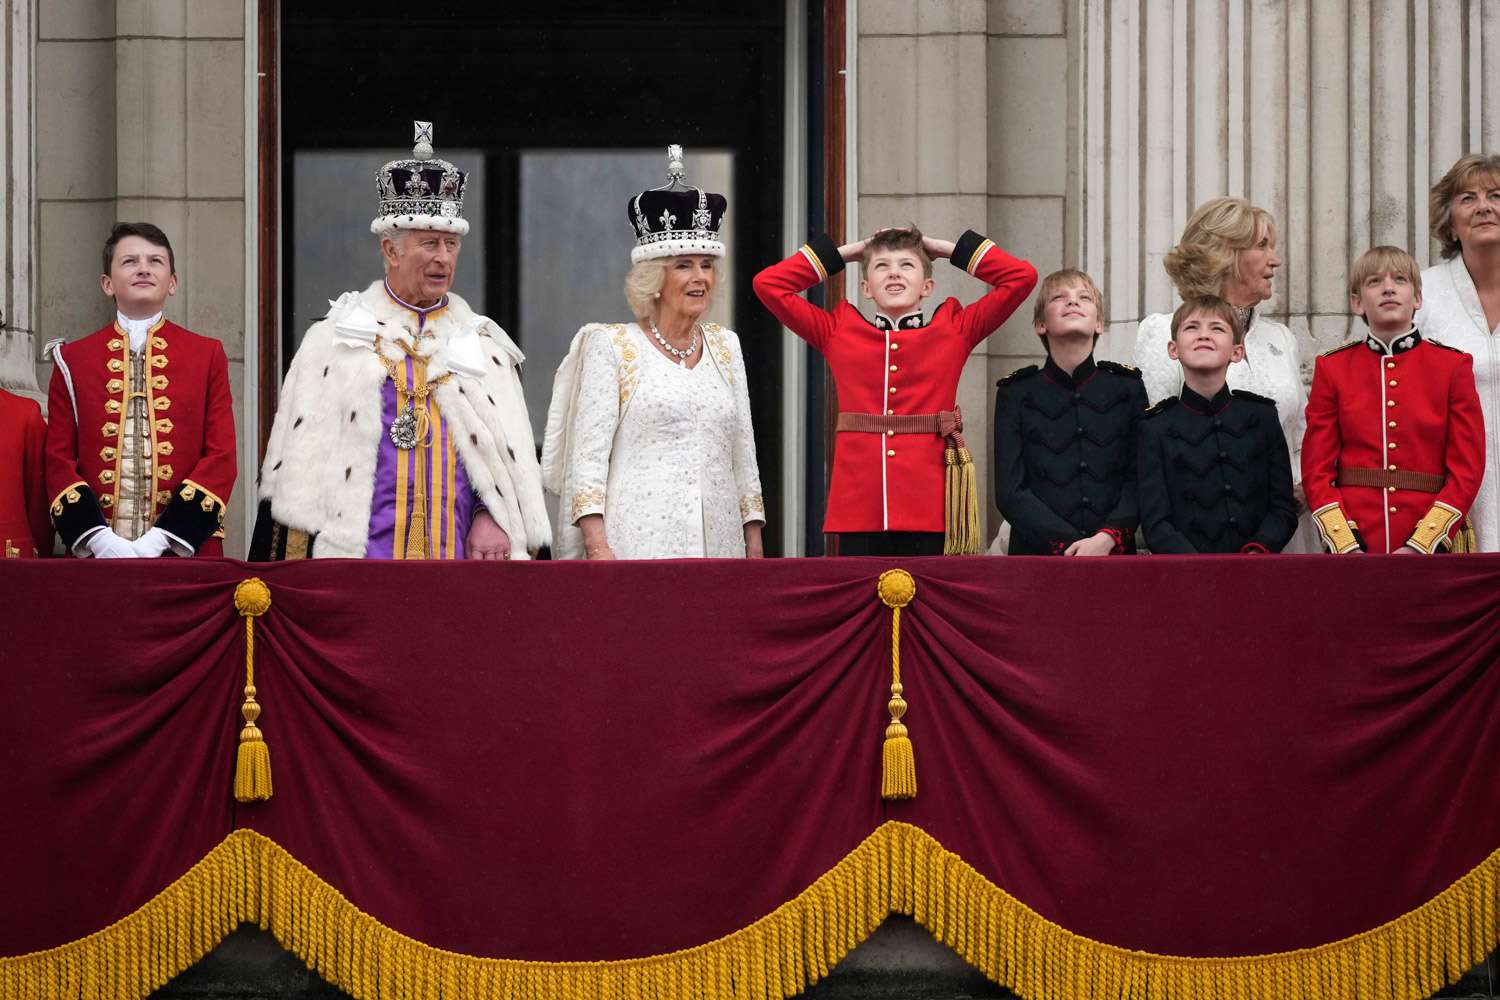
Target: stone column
[
  {"x": 1336, "y": 116},
  {"x": 17, "y": 244},
  {"x": 923, "y": 146},
  {"x": 1031, "y": 165}
]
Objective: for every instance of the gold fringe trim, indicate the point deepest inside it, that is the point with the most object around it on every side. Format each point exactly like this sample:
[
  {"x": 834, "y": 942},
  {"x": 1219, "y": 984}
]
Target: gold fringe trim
[{"x": 899, "y": 868}]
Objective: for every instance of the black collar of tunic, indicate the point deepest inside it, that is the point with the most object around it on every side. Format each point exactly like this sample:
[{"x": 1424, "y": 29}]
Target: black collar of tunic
[
  {"x": 1207, "y": 407},
  {"x": 1406, "y": 342},
  {"x": 911, "y": 321},
  {"x": 1081, "y": 374}
]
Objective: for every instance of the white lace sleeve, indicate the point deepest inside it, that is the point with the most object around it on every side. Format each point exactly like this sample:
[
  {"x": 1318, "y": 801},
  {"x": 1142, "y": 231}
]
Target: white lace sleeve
[
  {"x": 1162, "y": 375},
  {"x": 593, "y": 434},
  {"x": 746, "y": 469}
]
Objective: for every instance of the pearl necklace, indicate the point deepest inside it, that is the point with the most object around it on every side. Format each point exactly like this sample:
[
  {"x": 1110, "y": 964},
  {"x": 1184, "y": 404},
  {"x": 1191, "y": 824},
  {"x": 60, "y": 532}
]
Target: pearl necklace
[{"x": 681, "y": 355}]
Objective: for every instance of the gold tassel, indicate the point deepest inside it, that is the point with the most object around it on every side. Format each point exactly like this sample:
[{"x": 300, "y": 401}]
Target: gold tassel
[
  {"x": 252, "y": 767},
  {"x": 961, "y": 504},
  {"x": 1463, "y": 538},
  {"x": 898, "y": 771}
]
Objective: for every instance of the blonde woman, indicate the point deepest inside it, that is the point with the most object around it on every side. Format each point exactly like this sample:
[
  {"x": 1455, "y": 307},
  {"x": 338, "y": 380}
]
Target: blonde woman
[
  {"x": 1461, "y": 306},
  {"x": 1228, "y": 250},
  {"x": 649, "y": 445}
]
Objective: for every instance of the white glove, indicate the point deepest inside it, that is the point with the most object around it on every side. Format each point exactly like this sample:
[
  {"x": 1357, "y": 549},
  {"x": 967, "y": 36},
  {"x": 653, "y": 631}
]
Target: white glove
[
  {"x": 152, "y": 544},
  {"x": 105, "y": 544}
]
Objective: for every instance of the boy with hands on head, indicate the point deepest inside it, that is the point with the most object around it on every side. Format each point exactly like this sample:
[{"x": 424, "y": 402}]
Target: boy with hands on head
[
  {"x": 898, "y": 485},
  {"x": 1394, "y": 451}
]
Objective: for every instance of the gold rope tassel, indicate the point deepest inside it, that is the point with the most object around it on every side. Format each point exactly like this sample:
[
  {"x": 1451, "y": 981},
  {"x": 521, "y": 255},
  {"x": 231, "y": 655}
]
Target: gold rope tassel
[
  {"x": 252, "y": 767},
  {"x": 961, "y": 503},
  {"x": 898, "y": 770}
]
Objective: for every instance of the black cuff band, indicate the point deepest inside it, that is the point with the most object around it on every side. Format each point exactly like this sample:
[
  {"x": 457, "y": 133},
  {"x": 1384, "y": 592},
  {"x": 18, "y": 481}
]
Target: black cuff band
[
  {"x": 74, "y": 512},
  {"x": 964, "y": 248},
  {"x": 193, "y": 515},
  {"x": 827, "y": 253}
]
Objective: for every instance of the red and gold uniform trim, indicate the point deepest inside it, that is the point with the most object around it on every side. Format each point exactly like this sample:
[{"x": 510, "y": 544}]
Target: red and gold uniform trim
[
  {"x": 1337, "y": 533},
  {"x": 1435, "y": 528}
]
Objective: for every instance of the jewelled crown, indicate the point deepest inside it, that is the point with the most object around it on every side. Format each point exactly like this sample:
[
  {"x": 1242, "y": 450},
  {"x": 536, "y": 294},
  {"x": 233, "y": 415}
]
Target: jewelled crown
[
  {"x": 676, "y": 219},
  {"x": 422, "y": 192}
]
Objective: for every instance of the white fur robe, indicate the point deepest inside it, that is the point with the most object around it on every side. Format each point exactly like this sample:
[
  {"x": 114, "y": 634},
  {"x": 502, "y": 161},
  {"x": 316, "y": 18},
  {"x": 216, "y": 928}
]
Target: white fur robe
[{"x": 319, "y": 472}]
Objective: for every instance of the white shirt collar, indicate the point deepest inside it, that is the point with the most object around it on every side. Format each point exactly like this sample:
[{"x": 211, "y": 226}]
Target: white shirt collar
[{"x": 136, "y": 328}]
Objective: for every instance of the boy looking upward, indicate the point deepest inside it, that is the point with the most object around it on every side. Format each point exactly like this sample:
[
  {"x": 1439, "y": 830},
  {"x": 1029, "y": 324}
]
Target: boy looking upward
[
  {"x": 1065, "y": 433},
  {"x": 140, "y": 434},
  {"x": 1394, "y": 451},
  {"x": 902, "y": 481},
  {"x": 1214, "y": 471}
]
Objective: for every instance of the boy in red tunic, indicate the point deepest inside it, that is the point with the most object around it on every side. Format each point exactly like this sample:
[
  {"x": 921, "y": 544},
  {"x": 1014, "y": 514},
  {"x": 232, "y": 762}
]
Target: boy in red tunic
[
  {"x": 140, "y": 435},
  {"x": 24, "y": 528},
  {"x": 897, "y": 381},
  {"x": 1394, "y": 450}
]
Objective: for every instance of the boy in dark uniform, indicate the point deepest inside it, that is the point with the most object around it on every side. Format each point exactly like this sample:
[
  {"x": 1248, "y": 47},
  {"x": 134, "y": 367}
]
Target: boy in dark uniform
[
  {"x": 1065, "y": 433},
  {"x": 1394, "y": 451},
  {"x": 1214, "y": 473}
]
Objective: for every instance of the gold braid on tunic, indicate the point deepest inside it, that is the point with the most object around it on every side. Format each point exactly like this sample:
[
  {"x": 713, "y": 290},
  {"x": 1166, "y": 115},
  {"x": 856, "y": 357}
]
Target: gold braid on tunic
[{"x": 414, "y": 398}]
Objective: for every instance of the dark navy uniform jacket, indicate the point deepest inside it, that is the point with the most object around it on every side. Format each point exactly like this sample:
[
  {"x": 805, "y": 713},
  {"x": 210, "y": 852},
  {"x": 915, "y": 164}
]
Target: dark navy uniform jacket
[
  {"x": 1065, "y": 462},
  {"x": 1215, "y": 475}
]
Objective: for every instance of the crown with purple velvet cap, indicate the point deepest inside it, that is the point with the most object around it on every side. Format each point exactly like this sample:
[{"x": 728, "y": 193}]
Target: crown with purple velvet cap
[
  {"x": 676, "y": 219},
  {"x": 421, "y": 192}
]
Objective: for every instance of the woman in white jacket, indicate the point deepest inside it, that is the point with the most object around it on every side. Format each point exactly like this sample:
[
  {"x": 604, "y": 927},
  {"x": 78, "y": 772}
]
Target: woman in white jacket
[
  {"x": 1461, "y": 306},
  {"x": 1228, "y": 249}
]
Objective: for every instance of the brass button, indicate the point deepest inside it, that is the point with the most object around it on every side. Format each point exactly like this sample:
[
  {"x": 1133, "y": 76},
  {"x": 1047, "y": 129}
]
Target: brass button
[
  {"x": 1392, "y": 424},
  {"x": 1391, "y": 467},
  {"x": 891, "y": 453},
  {"x": 1390, "y": 364},
  {"x": 1393, "y": 510},
  {"x": 1390, "y": 489},
  {"x": 1394, "y": 383},
  {"x": 1391, "y": 445},
  {"x": 890, "y": 433},
  {"x": 893, "y": 367},
  {"x": 890, "y": 412},
  {"x": 895, "y": 347},
  {"x": 1390, "y": 402},
  {"x": 893, "y": 390}
]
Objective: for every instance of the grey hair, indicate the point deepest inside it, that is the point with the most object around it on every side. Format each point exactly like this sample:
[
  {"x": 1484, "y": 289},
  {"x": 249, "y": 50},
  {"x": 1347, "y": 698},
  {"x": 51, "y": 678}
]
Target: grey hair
[{"x": 398, "y": 238}]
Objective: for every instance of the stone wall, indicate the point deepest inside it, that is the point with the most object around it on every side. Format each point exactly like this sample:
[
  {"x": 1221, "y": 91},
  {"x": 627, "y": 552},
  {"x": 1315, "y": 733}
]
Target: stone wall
[
  {"x": 140, "y": 115},
  {"x": 1337, "y": 116}
]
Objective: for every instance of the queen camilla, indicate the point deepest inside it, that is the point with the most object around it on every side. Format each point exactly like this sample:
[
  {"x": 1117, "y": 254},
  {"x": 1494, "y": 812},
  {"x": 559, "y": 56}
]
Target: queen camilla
[{"x": 649, "y": 446}]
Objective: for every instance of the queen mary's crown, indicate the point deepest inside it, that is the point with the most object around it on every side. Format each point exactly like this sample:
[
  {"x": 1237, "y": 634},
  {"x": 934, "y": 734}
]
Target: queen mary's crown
[{"x": 677, "y": 218}]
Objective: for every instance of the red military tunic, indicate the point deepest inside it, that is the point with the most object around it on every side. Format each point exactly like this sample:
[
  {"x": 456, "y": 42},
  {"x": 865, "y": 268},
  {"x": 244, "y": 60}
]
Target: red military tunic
[
  {"x": 892, "y": 482},
  {"x": 1394, "y": 450},
  {"x": 191, "y": 429},
  {"x": 24, "y": 528}
]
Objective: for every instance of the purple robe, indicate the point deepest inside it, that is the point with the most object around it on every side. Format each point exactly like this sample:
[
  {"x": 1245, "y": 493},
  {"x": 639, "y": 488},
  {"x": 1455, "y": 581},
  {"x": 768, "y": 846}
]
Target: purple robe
[{"x": 451, "y": 502}]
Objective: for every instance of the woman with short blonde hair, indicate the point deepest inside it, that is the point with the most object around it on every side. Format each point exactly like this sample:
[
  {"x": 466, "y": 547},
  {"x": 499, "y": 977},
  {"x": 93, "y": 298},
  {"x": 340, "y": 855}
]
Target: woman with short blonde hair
[
  {"x": 1228, "y": 251},
  {"x": 1461, "y": 305},
  {"x": 649, "y": 446}
]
